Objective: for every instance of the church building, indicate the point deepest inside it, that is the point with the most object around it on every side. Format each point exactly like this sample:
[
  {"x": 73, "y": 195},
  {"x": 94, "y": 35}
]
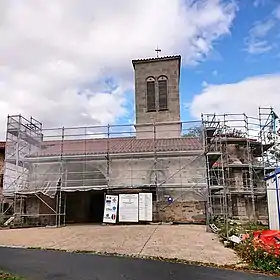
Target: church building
[{"x": 66, "y": 179}]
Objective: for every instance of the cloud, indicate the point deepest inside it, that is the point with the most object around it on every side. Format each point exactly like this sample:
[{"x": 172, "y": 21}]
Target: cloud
[
  {"x": 277, "y": 12},
  {"x": 259, "y": 3},
  {"x": 258, "y": 41},
  {"x": 257, "y": 47},
  {"x": 261, "y": 29},
  {"x": 242, "y": 97},
  {"x": 57, "y": 56},
  {"x": 255, "y": 42}
]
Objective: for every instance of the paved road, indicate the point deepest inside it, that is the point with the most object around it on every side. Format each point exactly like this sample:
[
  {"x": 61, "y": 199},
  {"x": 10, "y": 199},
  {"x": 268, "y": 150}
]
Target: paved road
[{"x": 46, "y": 265}]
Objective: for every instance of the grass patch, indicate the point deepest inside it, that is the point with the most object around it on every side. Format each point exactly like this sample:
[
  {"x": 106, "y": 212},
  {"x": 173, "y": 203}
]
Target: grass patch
[
  {"x": 8, "y": 276},
  {"x": 234, "y": 227}
]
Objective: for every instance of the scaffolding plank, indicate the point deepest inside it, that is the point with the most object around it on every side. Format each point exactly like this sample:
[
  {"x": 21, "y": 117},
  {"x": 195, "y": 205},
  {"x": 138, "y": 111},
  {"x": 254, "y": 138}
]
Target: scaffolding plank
[
  {"x": 216, "y": 188},
  {"x": 216, "y": 153},
  {"x": 248, "y": 192},
  {"x": 19, "y": 162},
  {"x": 29, "y": 139}
]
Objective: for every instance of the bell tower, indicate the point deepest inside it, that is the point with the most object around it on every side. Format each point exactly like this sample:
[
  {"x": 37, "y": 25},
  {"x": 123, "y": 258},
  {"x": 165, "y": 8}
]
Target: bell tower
[{"x": 157, "y": 101}]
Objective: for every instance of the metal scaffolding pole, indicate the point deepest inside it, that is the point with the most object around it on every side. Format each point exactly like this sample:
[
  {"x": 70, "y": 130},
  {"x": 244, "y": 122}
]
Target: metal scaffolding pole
[{"x": 250, "y": 167}]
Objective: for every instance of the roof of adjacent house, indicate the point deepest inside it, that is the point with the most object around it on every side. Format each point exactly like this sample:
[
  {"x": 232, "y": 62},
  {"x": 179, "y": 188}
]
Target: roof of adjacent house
[
  {"x": 118, "y": 146},
  {"x": 2, "y": 145}
]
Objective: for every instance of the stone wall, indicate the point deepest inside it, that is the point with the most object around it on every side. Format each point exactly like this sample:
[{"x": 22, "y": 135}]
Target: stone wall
[
  {"x": 181, "y": 212},
  {"x": 184, "y": 183},
  {"x": 177, "y": 172},
  {"x": 159, "y": 131},
  {"x": 243, "y": 208},
  {"x": 37, "y": 210}
]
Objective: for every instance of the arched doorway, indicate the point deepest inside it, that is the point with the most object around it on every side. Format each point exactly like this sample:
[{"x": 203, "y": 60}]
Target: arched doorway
[{"x": 84, "y": 185}]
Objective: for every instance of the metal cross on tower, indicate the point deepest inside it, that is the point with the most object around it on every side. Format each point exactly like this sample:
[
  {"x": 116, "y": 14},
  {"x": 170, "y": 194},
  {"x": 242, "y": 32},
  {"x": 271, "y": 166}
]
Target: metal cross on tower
[{"x": 157, "y": 50}]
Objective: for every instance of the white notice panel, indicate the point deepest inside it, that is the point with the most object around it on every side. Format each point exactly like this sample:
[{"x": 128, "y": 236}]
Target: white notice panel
[
  {"x": 146, "y": 207},
  {"x": 128, "y": 208},
  {"x": 273, "y": 195},
  {"x": 110, "y": 209}
]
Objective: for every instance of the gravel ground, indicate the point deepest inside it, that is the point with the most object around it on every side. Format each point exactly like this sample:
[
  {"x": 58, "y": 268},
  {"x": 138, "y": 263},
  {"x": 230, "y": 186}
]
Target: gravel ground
[{"x": 188, "y": 242}]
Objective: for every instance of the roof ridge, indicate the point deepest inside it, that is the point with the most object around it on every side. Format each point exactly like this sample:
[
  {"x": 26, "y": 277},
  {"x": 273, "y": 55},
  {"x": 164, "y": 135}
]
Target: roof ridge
[{"x": 168, "y": 57}]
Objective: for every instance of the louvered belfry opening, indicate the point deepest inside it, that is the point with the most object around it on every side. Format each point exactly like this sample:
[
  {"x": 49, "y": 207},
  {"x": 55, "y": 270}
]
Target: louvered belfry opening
[
  {"x": 162, "y": 93},
  {"x": 151, "y": 95},
  {"x": 160, "y": 103}
]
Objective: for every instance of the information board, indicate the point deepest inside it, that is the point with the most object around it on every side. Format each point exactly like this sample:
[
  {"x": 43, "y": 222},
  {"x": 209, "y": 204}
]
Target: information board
[
  {"x": 110, "y": 209},
  {"x": 128, "y": 208},
  {"x": 146, "y": 207}
]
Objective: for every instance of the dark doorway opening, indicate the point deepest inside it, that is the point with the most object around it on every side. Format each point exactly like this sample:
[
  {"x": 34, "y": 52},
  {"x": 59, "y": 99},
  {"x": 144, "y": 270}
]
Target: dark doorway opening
[
  {"x": 85, "y": 207},
  {"x": 96, "y": 207}
]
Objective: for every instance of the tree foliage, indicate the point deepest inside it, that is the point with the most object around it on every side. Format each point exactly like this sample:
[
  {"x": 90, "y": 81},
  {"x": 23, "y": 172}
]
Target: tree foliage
[{"x": 195, "y": 131}]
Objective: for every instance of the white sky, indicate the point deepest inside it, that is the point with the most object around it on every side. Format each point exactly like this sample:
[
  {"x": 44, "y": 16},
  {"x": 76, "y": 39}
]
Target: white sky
[
  {"x": 56, "y": 55},
  {"x": 241, "y": 97}
]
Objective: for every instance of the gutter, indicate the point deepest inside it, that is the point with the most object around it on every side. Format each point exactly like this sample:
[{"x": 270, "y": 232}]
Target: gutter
[{"x": 115, "y": 156}]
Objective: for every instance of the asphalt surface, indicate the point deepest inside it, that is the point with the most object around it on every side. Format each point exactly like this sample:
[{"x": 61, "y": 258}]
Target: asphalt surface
[{"x": 45, "y": 265}]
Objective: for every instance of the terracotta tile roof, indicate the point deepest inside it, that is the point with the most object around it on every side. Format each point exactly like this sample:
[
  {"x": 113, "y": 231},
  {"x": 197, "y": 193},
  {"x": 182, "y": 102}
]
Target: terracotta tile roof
[
  {"x": 119, "y": 145},
  {"x": 163, "y": 58}
]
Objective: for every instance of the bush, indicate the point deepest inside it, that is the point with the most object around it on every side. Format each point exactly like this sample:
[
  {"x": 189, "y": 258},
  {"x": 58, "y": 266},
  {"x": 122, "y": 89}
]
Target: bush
[
  {"x": 257, "y": 258},
  {"x": 8, "y": 276}
]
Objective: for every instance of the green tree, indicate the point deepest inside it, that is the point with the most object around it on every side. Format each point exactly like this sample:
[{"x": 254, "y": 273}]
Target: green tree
[{"x": 195, "y": 131}]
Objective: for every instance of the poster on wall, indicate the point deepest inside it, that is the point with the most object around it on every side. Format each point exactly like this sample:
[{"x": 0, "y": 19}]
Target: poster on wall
[
  {"x": 128, "y": 208},
  {"x": 146, "y": 207},
  {"x": 110, "y": 209}
]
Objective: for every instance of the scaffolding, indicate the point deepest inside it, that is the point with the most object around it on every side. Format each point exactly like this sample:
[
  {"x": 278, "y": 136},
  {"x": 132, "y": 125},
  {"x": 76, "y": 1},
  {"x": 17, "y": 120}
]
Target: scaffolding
[
  {"x": 23, "y": 137},
  {"x": 219, "y": 161},
  {"x": 47, "y": 171},
  {"x": 239, "y": 151}
]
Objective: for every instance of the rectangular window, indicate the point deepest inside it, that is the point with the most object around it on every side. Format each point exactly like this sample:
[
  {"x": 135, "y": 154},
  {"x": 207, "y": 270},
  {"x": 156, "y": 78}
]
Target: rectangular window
[
  {"x": 162, "y": 89},
  {"x": 151, "y": 96},
  {"x": 246, "y": 179}
]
